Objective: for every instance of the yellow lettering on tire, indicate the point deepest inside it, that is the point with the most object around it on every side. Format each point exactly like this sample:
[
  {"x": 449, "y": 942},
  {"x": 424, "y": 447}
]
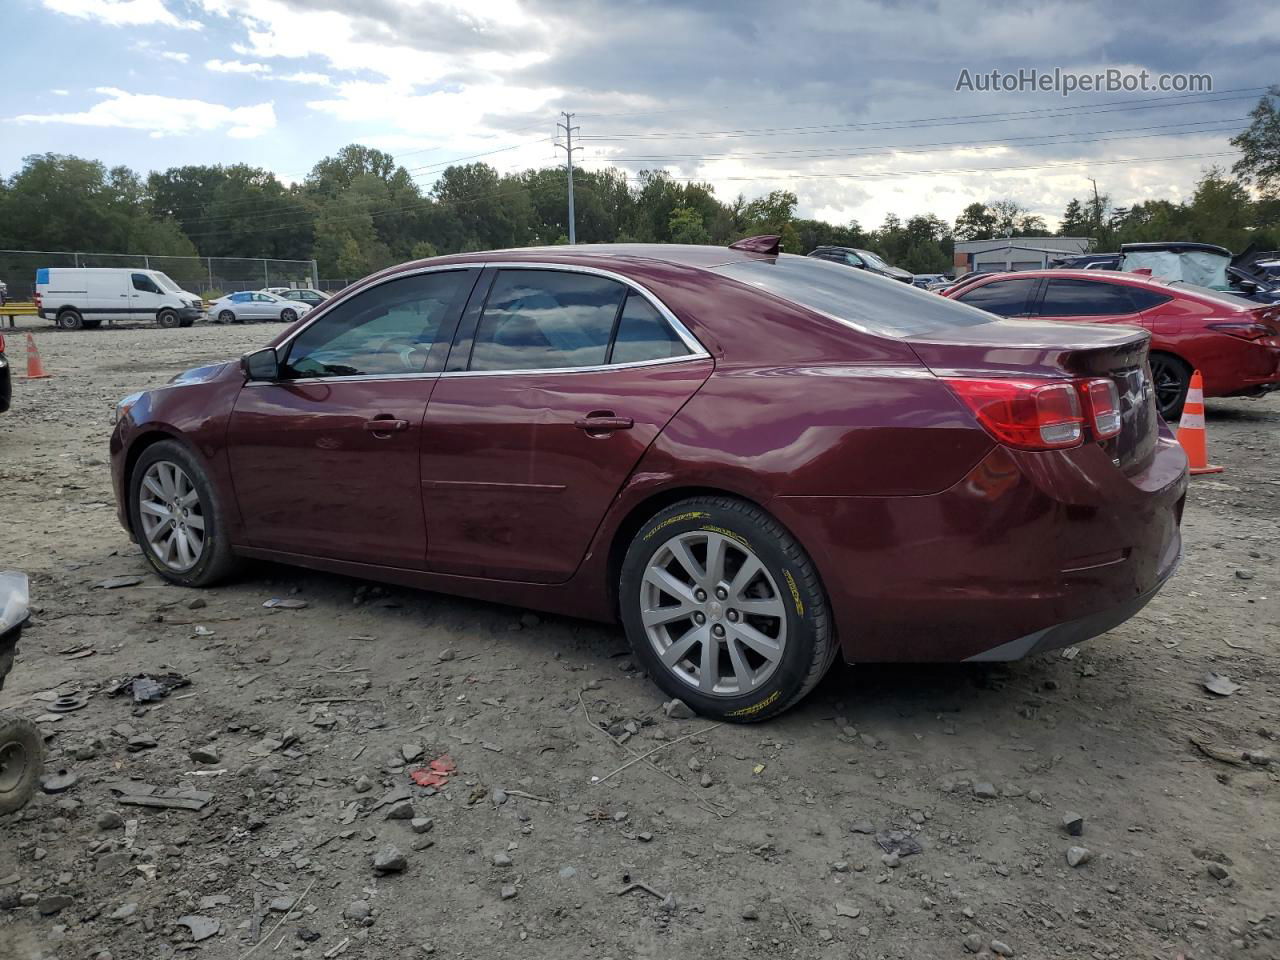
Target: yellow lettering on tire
[
  {"x": 795, "y": 592},
  {"x": 693, "y": 515},
  {"x": 754, "y": 708}
]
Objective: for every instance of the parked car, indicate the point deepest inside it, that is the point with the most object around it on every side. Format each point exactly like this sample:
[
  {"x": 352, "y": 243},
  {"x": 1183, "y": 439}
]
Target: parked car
[
  {"x": 926, "y": 280},
  {"x": 753, "y": 460},
  {"x": 6, "y": 379},
  {"x": 256, "y": 305},
  {"x": 1204, "y": 264},
  {"x": 82, "y": 297},
  {"x": 312, "y": 298},
  {"x": 1088, "y": 261},
  {"x": 862, "y": 260},
  {"x": 1233, "y": 342}
]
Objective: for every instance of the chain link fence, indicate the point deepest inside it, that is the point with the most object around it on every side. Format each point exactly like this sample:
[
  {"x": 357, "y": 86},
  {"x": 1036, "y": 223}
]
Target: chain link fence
[{"x": 211, "y": 277}]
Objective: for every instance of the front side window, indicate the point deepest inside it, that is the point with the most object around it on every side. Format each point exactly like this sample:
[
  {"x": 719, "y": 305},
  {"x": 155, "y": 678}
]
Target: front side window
[
  {"x": 142, "y": 282},
  {"x": 1004, "y": 298},
  {"x": 546, "y": 320},
  {"x": 1086, "y": 298},
  {"x": 389, "y": 329}
]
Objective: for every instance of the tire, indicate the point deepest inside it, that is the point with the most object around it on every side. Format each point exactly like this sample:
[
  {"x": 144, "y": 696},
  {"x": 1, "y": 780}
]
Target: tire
[
  {"x": 226, "y": 316},
  {"x": 168, "y": 319},
  {"x": 92, "y": 324},
  {"x": 791, "y": 609},
  {"x": 1170, "y": 378},
  {"x": 288, "y": 315},
  {"x": 214, "y": 560},
  {"x": 186, "y": 323},
  {"x": 70, "y": 319},
  {"x": 21, "y": 762}
]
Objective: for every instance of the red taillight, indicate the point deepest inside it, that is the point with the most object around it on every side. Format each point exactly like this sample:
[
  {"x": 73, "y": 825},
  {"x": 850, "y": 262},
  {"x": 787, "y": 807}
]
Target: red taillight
[
  {"x": 1244, "y": 330},
  {"x": 1, "y": 343},
  {"x": 1028, "y": 414},
  {"x": 1102, "y": 405}
]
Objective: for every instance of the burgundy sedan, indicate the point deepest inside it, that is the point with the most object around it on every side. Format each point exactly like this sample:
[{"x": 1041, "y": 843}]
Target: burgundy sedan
[
  {"x": 1233, "y": 342},
  {"x": 754, "y": 461}
]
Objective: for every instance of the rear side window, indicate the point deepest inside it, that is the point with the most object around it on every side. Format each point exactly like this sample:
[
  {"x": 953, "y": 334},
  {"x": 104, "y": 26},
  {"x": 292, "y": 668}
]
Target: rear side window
[
  {"x": 1004, "y": 298},
  {"x": 857, "y": 297},
  {"x": 546, "y": 320},
  {"x": 1086, "y": 298},
  {"x": 1144, "y": 299},
  {"x": 643, "y": 334}
]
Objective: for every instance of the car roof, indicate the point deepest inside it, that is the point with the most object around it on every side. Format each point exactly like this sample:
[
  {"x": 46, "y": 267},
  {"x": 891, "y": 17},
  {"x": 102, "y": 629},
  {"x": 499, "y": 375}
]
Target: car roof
[
  {"x": 1061, "y": 273},
  {"x": 600, "y": 254}
]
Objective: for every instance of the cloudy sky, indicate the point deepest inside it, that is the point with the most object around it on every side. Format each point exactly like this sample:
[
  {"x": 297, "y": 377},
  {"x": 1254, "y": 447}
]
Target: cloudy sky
[{"x": 852, "y": 105}]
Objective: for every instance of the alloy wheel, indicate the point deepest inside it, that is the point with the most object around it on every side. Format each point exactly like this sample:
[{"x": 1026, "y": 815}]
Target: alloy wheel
[
  {"x": 173, "y": 521},
  {"x": 713, "y": 613},
  {"x": 1167, "y": 380}
]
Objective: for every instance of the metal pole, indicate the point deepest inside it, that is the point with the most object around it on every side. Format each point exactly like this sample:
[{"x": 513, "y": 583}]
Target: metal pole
[
  {"x": 146, "y": 262},
  {"x": 77, "y": 256},
  {"x": 315, "y": 276},
  {"x": 209, "y": 260},
  {"x": 266, "y": 278},
  {"x": 568, "y": 148}
]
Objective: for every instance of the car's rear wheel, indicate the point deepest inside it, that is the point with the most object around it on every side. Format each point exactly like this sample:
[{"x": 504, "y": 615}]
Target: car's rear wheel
[
  {"x": 21, "y": 761},
  {"x": 70, "y": 320},
  {"x": 177, "y": 518},
  {"x": 1170, "y": 378},
  {"x": 725, "y": 609},
  {"x": 226, "y": 316},
  {"x": 288, "y": 315}
]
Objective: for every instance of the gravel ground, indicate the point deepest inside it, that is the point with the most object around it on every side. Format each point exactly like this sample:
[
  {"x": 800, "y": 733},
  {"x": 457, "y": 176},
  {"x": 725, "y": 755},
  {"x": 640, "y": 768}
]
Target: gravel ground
[{"x": 749, "y": 841}]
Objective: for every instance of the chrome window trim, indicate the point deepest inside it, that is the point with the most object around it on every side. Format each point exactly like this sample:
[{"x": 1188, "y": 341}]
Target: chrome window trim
[{"x": 696, "y": 350}]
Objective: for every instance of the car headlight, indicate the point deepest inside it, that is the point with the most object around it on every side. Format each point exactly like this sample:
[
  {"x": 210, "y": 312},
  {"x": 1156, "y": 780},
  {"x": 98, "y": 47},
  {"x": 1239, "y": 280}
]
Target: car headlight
[{"x": 125, "y": 405}]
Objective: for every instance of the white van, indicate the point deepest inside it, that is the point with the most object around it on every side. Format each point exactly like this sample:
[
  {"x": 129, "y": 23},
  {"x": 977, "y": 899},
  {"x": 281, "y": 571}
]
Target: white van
[{"x": 76, "y": 297}]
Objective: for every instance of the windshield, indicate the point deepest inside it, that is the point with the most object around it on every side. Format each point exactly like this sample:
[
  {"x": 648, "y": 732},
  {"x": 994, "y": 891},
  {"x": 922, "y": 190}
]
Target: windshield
[
  {"x": 872, "y": 259},
  {"x": 860, "y": 299},
  {"x": 164, "y": 282}
]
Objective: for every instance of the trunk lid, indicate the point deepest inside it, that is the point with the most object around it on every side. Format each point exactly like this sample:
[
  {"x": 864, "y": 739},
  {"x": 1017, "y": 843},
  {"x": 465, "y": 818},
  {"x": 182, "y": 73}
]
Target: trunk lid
[{"x": 1056, "y": 351}]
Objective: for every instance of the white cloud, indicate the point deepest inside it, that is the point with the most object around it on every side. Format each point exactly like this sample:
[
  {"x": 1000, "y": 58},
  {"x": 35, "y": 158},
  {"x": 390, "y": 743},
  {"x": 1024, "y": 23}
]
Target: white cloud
[
  {"x": 316, "y": 79},
  {"x": 122, "y": 13},
  {"x": 235, "y": 66},
  {"x": 165, "y": 116},
  {"x": 177, "y": 56},
  {"x": 58, "y": 92}
]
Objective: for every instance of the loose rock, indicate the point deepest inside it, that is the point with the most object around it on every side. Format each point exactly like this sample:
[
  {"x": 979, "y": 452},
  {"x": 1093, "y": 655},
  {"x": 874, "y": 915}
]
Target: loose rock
[
  {"x": 389, "y": 860},
  {"x": 678, "y": 710}
]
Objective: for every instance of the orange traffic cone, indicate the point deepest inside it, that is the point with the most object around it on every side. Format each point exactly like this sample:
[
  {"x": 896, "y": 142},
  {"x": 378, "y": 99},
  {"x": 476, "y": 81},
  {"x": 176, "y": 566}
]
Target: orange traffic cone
[
  {"x": 35, "y": 367},
  {"x": 1191, "y": 432}
]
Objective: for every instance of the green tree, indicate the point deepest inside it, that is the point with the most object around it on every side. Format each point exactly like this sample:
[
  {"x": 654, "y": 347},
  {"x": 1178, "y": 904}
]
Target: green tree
[
  {"x": 685, "y": 226},
  {"x": 976, "y": 222},
  {"x": 1259, "y": 146}
]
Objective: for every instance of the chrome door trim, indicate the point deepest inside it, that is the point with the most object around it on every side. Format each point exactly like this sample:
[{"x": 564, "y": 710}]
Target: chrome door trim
[{"x": 697, "y": 350}]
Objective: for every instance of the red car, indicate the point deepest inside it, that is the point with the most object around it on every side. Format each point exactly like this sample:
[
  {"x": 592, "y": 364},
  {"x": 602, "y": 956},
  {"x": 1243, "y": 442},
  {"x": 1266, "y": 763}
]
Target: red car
[
  {"x": 754, "y": 461},
  {"x": 1233, "y": 342}
]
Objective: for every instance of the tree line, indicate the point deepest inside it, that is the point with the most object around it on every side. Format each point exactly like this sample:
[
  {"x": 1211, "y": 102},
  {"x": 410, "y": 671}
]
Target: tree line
[{"x": 358, "y": 211}]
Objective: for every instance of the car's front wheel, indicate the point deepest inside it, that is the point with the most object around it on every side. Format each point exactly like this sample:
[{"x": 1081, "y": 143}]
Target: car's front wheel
[
  {"x": 725, "y": 609},
  {"x": 177, "y": 518},
  {"x": 168, "y": 319},
  {"x": 226, "y": 316},
  {"x": 288, "y": 315}
]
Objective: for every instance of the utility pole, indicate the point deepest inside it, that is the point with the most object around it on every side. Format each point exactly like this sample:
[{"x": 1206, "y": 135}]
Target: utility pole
[
  {"x": 568, "y": 148},
  {"x": 1097, "y": 210}
]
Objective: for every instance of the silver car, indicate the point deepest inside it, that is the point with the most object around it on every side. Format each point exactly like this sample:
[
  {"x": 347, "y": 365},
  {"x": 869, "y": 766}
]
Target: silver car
[{"x": 255, "y": 305}]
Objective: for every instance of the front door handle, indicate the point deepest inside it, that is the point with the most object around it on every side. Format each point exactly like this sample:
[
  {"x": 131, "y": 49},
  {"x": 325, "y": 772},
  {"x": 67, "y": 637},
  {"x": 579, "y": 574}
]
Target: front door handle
[
  {"x": 603, "y": 422},
  {"x": 385, "y": 426}
]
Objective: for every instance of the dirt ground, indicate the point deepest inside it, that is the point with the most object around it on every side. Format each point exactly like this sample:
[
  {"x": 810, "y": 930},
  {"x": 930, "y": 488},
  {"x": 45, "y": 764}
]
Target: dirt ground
[{"x": 750, "y": 840}]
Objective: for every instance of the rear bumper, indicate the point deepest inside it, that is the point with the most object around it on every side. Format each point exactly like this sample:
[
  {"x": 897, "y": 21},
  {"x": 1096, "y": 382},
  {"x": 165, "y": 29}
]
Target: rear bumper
[{"x": 1027, "y": 552}]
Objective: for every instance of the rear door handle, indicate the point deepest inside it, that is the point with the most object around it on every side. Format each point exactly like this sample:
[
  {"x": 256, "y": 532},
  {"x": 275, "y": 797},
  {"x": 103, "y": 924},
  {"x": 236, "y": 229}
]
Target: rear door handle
[
  {"x": 385, "y": 425},
  {"x": 603, "y": 423}
]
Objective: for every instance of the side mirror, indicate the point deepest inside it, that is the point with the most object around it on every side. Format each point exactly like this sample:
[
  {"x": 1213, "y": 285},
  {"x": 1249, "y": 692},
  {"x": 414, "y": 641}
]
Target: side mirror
[
  {"x": 261, "y": 365},
  {"x": 1247, "y": 286}
]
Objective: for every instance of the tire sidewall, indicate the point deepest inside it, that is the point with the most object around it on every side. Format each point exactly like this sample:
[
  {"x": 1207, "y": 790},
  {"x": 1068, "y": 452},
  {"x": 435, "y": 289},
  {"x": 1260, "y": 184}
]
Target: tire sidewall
[
  {"x": 288, "y": 315},
  {"x": 226, "y": 316},
  {"x": 21, "y": 730},
  {"x": 208, "y": 569},
  {"x": 70, "y": 320},
  {"x": 168, "y": 319},
  {"x": 805, "y": 611},
  {"x": 1185, "y": 374}
]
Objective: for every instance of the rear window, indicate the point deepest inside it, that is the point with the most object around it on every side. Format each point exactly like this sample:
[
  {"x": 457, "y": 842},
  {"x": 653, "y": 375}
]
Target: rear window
[
  {"x": 1210, "y": 294},
  {"x": 866, "y": 301}
]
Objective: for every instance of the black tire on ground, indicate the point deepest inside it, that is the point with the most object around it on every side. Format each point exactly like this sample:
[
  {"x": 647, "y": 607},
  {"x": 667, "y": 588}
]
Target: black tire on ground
[
  {"x": 810, "y": 646},
  {"x": 168, "y": 319},
  {"x": 217, "y": 561},
  {"x": 21, "y": 761},
  {"x": 70, "y": 319},
  {"x": 288, "y": 315},
  {"x": 226, "y": 316},
  {"x": 189, "y": 321},
  {"x": 1170, "y": 378},
  {"x": 92, "y": 324}
]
